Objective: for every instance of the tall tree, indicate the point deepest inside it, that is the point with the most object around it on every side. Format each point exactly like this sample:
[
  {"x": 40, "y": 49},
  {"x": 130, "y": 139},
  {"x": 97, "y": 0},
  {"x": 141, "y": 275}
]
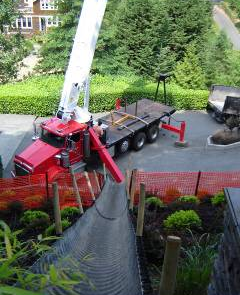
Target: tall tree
[
  {"x": 188, "y": 72},
  {"x": 8, "y": 13},
  {"x": 189, "y": 20},
  {"x": 58, "y": 42},
  {"x": 141, "y": 30},
  {"x": 214, "y": 56}
]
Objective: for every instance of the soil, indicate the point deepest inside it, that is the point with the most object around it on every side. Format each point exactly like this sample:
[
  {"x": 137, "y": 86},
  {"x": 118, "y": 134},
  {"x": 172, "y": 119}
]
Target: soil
[{"x": 155, "y": 234}]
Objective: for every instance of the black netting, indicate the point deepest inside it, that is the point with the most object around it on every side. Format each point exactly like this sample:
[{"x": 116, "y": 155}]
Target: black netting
[{"x": 102, "y": 246}]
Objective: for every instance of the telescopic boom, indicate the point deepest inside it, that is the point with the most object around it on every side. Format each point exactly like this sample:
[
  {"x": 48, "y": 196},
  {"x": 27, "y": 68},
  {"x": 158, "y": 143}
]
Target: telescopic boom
[{"x": 77, "y": 74}]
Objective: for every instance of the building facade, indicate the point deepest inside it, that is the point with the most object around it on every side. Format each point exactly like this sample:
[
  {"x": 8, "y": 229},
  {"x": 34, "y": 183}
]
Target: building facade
[{"x": 37, "y": 16}]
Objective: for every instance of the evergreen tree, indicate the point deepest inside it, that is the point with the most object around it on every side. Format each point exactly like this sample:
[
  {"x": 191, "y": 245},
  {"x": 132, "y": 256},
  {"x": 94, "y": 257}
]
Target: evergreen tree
[
  {"x": 215, "y": 57},
  {"x": 188, "y": 73},
  {"x": 141, "y": 27},
  {"x": 189, "y": 21}
]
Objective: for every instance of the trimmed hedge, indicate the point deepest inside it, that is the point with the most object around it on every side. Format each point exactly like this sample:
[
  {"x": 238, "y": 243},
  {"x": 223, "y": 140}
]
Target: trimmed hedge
[{"x": 40, "y": 95}]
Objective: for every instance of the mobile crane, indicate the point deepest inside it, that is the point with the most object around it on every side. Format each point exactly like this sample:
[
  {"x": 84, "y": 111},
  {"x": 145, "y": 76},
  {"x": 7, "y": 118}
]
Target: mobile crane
[{"x": 68, "y": 139}]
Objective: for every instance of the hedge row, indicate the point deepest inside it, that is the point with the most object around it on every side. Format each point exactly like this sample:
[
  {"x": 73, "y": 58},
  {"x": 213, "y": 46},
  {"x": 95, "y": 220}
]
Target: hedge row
[{"x": 40, "y": 95}]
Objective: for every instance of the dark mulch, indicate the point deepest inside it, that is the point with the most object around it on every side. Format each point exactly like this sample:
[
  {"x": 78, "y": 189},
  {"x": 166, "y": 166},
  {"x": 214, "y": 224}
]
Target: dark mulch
[{"x": 155, "y": 235}]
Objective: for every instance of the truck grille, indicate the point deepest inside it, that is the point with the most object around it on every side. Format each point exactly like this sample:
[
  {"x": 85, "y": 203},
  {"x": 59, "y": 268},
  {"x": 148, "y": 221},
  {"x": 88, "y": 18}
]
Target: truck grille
[{"x": 20, "y": 171}]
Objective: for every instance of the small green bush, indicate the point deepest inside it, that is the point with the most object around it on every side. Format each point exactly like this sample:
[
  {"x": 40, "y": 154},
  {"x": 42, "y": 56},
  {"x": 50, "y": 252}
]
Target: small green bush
[
  {"x": 30, "y": 217},
  {"x": 40, "y": 95},
  {"x": 189, "y": 199},
  {"x": 218, "y": 199},
  {"x": 182, "y": 220},
  {"x": 50, "y": 231},
  {"x": 35, "y": 221},
  {"x": 70, "y": 213},
  {"x": 154, "y": 201}
]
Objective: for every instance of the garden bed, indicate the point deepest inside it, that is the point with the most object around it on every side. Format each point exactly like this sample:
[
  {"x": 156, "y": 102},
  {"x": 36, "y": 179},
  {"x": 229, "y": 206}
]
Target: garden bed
[{"x": 199, "y": 242}]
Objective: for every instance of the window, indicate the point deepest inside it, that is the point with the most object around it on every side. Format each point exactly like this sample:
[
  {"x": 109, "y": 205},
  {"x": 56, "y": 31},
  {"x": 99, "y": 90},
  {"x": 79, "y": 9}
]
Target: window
[
  {"x": 47, "y": 5},
  {"x": 24, "y": 22},
  {"x": 52, "y": 21},
  {"x": 52, "y": 139}
]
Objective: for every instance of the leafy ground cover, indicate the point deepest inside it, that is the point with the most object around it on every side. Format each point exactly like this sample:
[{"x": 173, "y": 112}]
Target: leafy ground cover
[
  {"x": 40, "y": 95},
  {"x": 30, "y": 234}
]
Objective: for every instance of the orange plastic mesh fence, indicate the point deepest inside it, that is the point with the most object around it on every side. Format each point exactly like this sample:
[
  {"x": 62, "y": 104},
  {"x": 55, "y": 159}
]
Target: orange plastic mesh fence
[
  {"x": 212, "y": 182},
  {"x": 168, "y": 186},
  {"x": 66, "y": 191},
  {"x": 32, "y": 190}
]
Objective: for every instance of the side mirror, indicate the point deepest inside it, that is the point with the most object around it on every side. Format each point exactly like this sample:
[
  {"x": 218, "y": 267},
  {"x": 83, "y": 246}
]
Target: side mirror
[{"x": 35, "y": 136}]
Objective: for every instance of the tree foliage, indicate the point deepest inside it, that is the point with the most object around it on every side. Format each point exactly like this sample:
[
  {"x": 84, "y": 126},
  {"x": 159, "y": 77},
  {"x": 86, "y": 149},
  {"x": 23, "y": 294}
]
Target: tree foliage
[
  {"x": 188, "y": 72},
  {"x": 58, "y": 42},
  {"x": 12, "y": 51},
  {"x": 8, "y": 13},
  {"x": 145, "y": 37},
  {"x": 139, "y": 36}
]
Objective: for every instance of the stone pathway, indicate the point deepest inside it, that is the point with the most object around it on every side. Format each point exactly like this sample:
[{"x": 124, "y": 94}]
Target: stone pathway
[{"x": 29, "y": 63}]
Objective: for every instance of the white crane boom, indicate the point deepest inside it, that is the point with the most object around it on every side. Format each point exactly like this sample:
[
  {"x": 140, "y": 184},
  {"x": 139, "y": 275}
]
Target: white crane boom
[{"x": 77, "y": 74}]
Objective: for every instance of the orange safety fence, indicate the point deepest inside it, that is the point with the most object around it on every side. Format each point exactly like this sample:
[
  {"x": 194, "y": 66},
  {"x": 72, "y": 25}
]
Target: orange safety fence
[
  {"x": 168, "y": 186},
  {"x": 34, "y": 190}
]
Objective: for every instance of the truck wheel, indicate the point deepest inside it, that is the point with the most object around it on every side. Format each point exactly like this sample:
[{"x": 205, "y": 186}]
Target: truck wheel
[
  {"x": 152, "y": 133},
  {"x": 123, "y": 146},
  {"x": 138, "y": 141}
]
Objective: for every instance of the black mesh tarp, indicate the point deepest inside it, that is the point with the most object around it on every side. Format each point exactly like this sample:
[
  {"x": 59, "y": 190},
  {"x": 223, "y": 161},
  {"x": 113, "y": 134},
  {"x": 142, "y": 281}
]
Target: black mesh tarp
[{"x": 102, "y": 246}]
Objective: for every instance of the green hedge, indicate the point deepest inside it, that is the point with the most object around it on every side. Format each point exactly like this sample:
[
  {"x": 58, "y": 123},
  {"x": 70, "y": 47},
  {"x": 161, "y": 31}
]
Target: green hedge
[{"x": 40, "y": 95}]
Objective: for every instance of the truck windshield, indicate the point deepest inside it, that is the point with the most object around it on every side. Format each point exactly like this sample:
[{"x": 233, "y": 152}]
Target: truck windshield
[{"x": 52, "y": 139}]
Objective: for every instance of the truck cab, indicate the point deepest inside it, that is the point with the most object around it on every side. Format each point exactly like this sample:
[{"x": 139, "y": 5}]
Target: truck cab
[{"x": 58, "y": 147}]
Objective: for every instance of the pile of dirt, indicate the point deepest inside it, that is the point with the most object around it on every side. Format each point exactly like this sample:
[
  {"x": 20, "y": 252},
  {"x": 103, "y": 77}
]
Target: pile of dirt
[{"x": 225, "y": 136}]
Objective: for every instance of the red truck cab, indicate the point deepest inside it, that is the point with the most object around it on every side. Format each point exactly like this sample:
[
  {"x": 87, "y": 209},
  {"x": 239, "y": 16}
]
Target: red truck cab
[{"x": 58, "y": 147}]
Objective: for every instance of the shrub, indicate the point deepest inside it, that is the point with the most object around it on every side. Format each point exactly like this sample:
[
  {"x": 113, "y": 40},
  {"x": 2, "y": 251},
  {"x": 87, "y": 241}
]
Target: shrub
[
  {"x": 195, "y": 266},
  {"x": 203, "y": 194},
  {"x": 189, "y": 199},
  {"x": 40, "y": 95},
  {"x": 154, "y": 201},
  {"x": 34, "y": 201},
  {"x": 218, "y": 199},
  {"x": 172, "y": 192},
  {"x": 50, "y": 231},
  {"x": 38, "y": 220},
  {"x": 70, "y": 213},
  {"x": 182, "y": 220}
]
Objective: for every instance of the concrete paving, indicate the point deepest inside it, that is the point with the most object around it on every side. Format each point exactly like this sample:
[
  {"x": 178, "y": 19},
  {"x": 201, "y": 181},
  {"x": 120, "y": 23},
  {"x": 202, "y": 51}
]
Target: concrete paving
[
  {"x": 159, "y": 156},
  {"x": 13, "y": 129},
  {"x": 164, "y": 156}
]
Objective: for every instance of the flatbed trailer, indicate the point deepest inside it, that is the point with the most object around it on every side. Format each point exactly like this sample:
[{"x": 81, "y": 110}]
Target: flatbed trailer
[{"x": 132, "y": 125}]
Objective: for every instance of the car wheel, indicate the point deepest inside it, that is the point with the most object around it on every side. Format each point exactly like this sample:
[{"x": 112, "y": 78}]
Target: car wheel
[
  {"x": 139, "y": 141},
  {"x": 152, "y": 133},
  {"x": 123, "y": 146}
]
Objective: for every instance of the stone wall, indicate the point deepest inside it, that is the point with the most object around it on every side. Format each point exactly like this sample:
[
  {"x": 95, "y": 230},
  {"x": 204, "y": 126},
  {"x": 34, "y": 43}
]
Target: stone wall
[{"x": 226, "y": 273}]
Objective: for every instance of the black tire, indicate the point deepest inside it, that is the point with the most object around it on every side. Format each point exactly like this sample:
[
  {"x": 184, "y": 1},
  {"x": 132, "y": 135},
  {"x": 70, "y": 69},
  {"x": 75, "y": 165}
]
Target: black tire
[
  {"x": 139, "y": 141},
  {"x": 152, "y": 133},
  {"x": 123, "y": 147}
]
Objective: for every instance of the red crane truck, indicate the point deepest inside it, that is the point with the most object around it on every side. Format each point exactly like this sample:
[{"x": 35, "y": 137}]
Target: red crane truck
[{"x": 68, "y": 140}]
